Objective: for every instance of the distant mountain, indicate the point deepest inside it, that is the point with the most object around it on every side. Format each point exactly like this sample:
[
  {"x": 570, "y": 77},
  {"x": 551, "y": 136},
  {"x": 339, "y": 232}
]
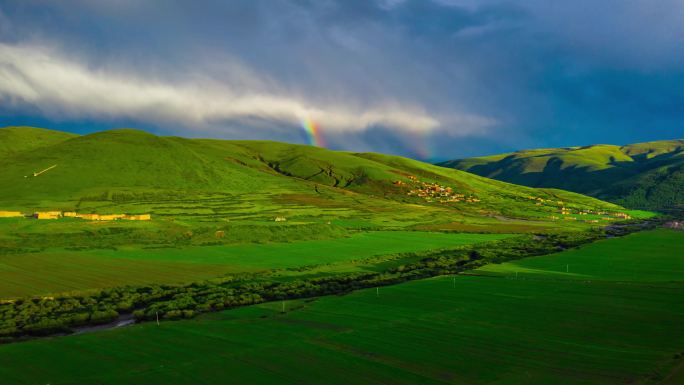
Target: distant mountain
[
  {"x": 109, "y": 168},
  {"x": 644, "y": 175}
]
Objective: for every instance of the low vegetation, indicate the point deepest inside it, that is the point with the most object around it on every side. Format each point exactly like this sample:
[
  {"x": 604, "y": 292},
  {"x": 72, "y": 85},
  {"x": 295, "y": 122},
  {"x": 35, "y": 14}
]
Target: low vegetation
[
  {"x": 53, "y": 270},
  {"x": 256, "y": 225},
  {"x": 592, "y": 326},
  {"x": 49, "y": 315}
]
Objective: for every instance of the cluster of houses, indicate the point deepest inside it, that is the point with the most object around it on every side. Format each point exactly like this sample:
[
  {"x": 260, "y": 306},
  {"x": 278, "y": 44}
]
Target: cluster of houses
[
  {"x": 607, "y": 216},
  {"x": 71, "y": 214},
  {"x": 433, "y": 191},
  {"x": 541, "y": 201},
  {"x": 568, "y": 211}
]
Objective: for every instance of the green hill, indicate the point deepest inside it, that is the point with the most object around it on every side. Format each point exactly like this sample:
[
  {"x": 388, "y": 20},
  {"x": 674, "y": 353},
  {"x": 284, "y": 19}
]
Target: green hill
[
  {"x": 134, "y": 171},
  {"x": 14, "y": 140},
  {"x": 644, "y": 175}
]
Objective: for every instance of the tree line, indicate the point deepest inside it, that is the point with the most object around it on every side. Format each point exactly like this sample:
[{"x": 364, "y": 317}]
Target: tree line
[{"x": 47, "y": 315}]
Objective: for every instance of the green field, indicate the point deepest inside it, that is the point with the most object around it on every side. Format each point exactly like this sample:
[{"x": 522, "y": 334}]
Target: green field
[
  {"x": 195, "y": 189},
  {"x": 646, "y": 257},
  {"x": 60, "y": 271},
  {"x": 547, "y": 326}
]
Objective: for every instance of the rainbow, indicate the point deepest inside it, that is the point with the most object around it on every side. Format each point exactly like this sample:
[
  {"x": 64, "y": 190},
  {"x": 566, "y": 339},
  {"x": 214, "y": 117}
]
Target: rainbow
[{"x": 313, "y": 132}]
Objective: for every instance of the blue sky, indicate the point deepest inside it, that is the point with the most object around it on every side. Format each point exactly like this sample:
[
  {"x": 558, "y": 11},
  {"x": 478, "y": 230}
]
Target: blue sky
[{"x": 428, "y": 79}]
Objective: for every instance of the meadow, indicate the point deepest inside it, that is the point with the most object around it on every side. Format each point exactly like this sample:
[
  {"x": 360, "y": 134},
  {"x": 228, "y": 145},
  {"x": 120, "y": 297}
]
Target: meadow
[
  {"x": 600, "y": 324},
  {"x": 645, "y": 257},
  {"x": 55, "y": 271}
]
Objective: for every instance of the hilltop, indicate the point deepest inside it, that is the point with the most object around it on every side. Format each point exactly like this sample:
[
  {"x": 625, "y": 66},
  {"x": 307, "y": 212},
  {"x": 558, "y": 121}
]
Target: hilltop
[
  {"x": 643, "y": 175},
  {"x": 204, "y": 179},
  {"x": 14, "y": 140}
]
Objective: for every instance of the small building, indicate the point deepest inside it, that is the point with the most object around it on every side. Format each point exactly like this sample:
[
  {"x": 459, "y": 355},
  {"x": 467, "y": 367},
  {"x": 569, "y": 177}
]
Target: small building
[
  {"x": 674, "y": 225},
  {"x": 10, "y": 214},
  {"x": 111, "y": 217},
  {"x": 89, "y": 217},
  {"x": 47, "y": 215},
  {"x": 138, "y": 217},
  {"x": 280, "y": 219}
]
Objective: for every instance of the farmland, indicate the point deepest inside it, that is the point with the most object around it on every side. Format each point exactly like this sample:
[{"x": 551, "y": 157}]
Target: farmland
[
  {"x": 258, "y": 226},
  {"x": 213, "y": 206},
  {"x": 600, "y": 324},
  {"x": 57, "y": 271}
]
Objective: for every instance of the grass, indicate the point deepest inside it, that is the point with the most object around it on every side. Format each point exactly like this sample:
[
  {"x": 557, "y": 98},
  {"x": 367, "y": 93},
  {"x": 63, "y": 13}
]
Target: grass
[
  {"x": 546, "y": 327},
  {"x": 642, "y": 175},
  {"x": 212, "y": 180},
  {"x": 61, "y": 270},
  {"x": 197, "y": 188},
  {"x": 643, "y": 257},
  {"x": 14, "y": 140}
]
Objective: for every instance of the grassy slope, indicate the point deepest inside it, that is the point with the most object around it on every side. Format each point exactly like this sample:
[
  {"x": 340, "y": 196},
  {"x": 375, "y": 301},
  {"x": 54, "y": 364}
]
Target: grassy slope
[
  {"x": 608, "y": 327},
  {"x": 640, "y": 175},
  {"x": 14, "y": 140},
  {"x": 195, "y": 188},
  {"x": 99, "y": 165}
]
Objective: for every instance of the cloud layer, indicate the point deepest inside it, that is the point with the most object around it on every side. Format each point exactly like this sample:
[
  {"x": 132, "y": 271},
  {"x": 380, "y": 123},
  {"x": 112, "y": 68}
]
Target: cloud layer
[
  {"x": 43, "y": 77},
  {"x": 431, "y": 79}
]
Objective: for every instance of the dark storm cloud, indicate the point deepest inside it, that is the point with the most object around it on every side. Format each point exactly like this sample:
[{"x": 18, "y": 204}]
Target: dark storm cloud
[{"x": 431, "y": 79}]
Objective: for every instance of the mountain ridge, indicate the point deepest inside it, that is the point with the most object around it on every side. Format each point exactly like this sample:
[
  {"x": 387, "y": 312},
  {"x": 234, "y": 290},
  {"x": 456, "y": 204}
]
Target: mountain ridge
[{"x": 640, "y": 175}]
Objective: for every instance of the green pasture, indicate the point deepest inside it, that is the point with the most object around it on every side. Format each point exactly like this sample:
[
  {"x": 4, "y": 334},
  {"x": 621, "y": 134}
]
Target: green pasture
[
  {"x": 218, "y": 180},
  {"x": 653, "y": 256},
  {"x": 284, "y": 255},
  {"x": 63, "y": 270},
  {"x": 546, "y": 328}
]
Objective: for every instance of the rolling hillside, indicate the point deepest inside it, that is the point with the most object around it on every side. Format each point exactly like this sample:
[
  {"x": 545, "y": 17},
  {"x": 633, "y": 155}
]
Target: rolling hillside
[
  {"x": 14, "y": 140},
  {"x": 644, "y": 175},
  {"x": 139, "y": 172}
]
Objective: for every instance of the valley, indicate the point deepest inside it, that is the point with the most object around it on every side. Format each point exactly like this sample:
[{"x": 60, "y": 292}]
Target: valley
[
  {"x": 356, "y": 259},
  {"x": 479, "y": 327}
]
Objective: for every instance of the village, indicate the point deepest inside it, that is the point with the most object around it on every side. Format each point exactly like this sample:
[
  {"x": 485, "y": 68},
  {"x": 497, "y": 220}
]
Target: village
[
  {"x": 606, "y": 216},
  {"x": 568, "y": 213},
  {"x": 434, "y": 192},
  {"x": 71, "y": 214}
]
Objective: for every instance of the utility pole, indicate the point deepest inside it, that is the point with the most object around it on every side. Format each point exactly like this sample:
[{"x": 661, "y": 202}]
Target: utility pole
[{"x": 157, "y": 317}]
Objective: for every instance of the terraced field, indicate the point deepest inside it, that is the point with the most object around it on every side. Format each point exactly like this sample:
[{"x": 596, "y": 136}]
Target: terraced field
[{"x": 598, "y": 323}]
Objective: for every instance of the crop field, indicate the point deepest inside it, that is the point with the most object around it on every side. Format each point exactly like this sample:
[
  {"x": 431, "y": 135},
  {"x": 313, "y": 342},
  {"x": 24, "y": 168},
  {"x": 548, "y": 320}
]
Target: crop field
[
  {"x": 600, "y": 324},
  {"x": 64, "y": 270}
]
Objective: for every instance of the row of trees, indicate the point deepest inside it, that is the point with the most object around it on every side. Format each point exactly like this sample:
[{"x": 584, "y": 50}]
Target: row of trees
[{"x": 44, "y": 316}]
